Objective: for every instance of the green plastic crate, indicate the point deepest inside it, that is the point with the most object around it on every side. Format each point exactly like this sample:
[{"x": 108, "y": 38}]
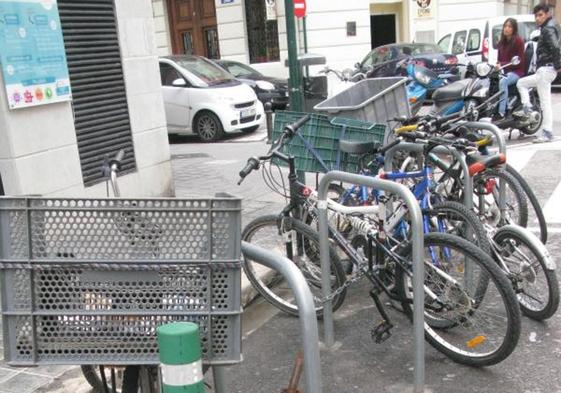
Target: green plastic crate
[{"x": 322, "y": 134}]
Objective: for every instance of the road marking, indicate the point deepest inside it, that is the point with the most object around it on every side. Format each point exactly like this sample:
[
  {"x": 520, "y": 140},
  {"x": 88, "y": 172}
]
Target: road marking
[
  {"x": 519, "y": 158},
  {"x": 549, "y": 230},
  {"x": 552, "y": 210},
  {"x": 538, "y": 146},
  {"x": 222, "y": 162}
]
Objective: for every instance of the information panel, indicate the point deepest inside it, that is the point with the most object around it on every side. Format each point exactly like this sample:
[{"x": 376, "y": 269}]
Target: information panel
[{"x": 32, "y": 53}]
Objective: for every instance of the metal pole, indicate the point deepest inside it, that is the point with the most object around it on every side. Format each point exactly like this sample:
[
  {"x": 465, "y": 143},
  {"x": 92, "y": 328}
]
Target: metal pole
[
  {"x": 497, "y": 133},
  {"x": 305, "y": 29},
  {"x": 269, "y": 120},
  {"x": 418, "y": 267},
  {"x": 414, "y": 147},
  {"x": 295, "y": 80},
  {"x": 306, "y": 309},
  {"x": 219, "y": 378}
]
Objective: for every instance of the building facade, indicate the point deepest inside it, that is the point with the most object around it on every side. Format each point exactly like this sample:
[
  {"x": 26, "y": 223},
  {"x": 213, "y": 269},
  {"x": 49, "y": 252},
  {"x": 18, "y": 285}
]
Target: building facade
[
  {"x": 57, "y": 149},
  {"x": 254, "y": 31}
]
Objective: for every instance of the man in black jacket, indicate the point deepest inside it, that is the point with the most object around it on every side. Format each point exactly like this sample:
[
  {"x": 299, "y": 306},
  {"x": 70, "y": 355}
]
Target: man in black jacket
[{"x": 548, "y": 65}]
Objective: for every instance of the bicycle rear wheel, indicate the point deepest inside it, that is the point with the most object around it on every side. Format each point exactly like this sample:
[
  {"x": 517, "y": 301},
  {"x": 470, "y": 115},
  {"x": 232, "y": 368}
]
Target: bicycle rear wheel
[
  {"x": 474, "y": 328},
  {"x": 537, "y": 284},
  {"x": 456, "y": 219},
  {"x": 535, "y": 204},
  {"x": 302, "y": 242}
]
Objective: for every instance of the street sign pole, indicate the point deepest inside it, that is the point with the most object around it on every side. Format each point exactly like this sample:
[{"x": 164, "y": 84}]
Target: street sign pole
[{"x": 295, "y": 80}]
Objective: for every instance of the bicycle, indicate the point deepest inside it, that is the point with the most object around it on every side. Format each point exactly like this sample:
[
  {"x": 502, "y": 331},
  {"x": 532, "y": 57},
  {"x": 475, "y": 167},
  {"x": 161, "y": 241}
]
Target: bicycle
[
  {"x": 451, "y": 302},
  {"x": 516, "y": 250},
  {"x": 131, "y": 379}
]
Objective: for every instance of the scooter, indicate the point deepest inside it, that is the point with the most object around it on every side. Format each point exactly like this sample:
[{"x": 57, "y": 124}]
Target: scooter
[
  {"x": 422, "y": 82},
  {"x": 484, "y": 84}
]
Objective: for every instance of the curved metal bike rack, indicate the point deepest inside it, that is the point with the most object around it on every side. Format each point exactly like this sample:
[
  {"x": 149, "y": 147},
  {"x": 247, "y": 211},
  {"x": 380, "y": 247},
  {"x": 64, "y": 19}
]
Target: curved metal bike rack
[
  {"x": 496, "y": 131},
  {"x": 306, "y": 311},
  {"x": 417, "y": 148},
  {"x": 418, "y": 267}
]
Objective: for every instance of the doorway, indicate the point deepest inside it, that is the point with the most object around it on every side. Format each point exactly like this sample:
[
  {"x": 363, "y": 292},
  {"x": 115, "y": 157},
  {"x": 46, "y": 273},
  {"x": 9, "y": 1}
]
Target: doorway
[
  {"x": 382, "y": 29},
  {"x": 193, "y": 28}
]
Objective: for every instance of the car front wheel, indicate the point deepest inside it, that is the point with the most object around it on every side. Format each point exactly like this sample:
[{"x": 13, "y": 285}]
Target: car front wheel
[{"x": 208, "y": 127}]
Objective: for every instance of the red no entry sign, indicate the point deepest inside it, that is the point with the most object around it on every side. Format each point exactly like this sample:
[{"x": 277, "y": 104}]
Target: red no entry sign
[{"x": 300, "y": 8}]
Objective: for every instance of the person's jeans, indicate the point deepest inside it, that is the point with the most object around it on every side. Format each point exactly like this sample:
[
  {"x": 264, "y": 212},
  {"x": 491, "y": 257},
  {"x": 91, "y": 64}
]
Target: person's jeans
[
  {"x": 510, "y": 79},
  {"x": 542, "y": 81}
]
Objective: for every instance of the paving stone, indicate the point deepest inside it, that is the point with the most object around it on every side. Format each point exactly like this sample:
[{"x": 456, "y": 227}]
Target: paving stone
[{"x": 24, "y": 383}]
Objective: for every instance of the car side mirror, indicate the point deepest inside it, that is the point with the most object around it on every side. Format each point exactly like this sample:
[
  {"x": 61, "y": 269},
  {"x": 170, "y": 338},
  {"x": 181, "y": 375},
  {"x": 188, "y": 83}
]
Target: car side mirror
[
  {"x": 179, "y": 82},
  {"x": 515, "y": 60},
  {"x": 357, "y": 66}
]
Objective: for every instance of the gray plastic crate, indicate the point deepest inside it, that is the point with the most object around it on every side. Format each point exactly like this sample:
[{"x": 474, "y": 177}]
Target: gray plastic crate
[
  {"x": 375, "y": 100},
  {"x": 88, "y": 281}
]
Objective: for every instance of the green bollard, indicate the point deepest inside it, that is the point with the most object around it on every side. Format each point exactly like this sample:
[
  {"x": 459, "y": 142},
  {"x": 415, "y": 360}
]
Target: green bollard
[{"x": 180, "y": 358}]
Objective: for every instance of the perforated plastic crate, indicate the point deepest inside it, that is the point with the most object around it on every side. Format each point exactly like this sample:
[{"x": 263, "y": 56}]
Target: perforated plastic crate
[
  {"x": 377, "y": 100},
  {"x": 88, "y": 281},
  {"x": 316, "y": 147}
]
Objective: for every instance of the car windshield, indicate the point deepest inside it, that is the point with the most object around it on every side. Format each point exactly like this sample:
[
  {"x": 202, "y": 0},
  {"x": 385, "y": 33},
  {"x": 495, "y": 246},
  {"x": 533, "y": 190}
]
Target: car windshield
[
  {"x": 418, "y": 49},
  {"x": 387, "y": 53},
  {"x": 204, "y": 73},
  {"x": 524, "y": 30},
  {"x": 240, "y": 70}
]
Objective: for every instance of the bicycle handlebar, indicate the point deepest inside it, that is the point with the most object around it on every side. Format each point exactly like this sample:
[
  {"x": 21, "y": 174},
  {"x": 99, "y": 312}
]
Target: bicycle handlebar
[
  {"x": 252, "y": 164},
  {"x": 289, "y": 131}
]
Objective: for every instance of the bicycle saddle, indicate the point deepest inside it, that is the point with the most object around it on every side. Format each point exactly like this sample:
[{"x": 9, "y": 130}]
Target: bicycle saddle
[
  {"x": 478, "y": 163},
  {"x": 354, "y": 147}
]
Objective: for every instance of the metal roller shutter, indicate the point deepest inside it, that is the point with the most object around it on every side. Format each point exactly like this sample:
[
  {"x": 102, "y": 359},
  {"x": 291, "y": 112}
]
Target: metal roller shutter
[{"x": 101, "y": 115}]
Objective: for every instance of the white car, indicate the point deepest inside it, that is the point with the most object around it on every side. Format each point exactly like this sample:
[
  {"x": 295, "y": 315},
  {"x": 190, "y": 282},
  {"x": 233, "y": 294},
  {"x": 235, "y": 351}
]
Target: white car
[
  {"x": 477, "y": 40},
  {"x": 201, "y": 98}
]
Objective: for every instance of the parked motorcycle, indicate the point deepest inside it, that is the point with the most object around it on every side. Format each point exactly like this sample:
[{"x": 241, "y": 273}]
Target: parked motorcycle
[
  {"x": 422, "y": 82},
  {"x": 482, "y": 83}
]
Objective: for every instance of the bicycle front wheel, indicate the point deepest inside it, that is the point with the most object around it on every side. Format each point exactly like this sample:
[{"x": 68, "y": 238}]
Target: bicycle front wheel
[
  {"x": 536, "y": 213},
  {"x": 537, "y": 284},
  {"x": 469, "y": 326},
  {"x": 299, "y": 243}
]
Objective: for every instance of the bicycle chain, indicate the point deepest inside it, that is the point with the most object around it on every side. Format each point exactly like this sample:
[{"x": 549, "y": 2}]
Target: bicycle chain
[{"x": 355, "y": 278}]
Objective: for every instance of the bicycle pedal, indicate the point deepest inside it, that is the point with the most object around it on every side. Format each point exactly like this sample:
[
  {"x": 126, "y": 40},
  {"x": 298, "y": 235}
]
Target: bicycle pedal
[{"x": 381, "y": 332}]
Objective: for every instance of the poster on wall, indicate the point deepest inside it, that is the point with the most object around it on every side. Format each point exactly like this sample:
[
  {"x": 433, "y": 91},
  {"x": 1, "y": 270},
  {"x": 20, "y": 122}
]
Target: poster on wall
[
  {"x": 32, "y": 54},
  {"x": 271, "y": 6},
  {"x": 423, "y": 9}
]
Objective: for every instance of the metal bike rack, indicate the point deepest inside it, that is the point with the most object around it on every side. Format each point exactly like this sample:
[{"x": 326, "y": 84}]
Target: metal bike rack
[
  {"x": 468, "y": 182},
  {"x": 417, "y": 148},
  {"x": 496, "y": 131},
  {"x": 418, "y": 267},
  {"x": 306, "y": 311}
]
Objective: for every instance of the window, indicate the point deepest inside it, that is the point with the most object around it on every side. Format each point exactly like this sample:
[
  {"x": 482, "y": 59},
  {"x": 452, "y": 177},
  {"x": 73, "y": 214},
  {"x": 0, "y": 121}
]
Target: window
[
  {"x": 263, "y": 34},
  {"x": 444, "y": 43},
  {"x": 240, "y": 70},
  {"x": 203, "y": 73},
  {"x": 169, "y": 74},
  {"x": 101, "y": 114},
  {"x": 459, "y": 43},
  {"x": 474, "y": 40},
  {"x": 524, "y": 30}
]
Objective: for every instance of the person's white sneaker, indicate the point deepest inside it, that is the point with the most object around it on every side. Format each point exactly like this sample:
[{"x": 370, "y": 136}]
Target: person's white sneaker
[{"x": 546, "y": 136}]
